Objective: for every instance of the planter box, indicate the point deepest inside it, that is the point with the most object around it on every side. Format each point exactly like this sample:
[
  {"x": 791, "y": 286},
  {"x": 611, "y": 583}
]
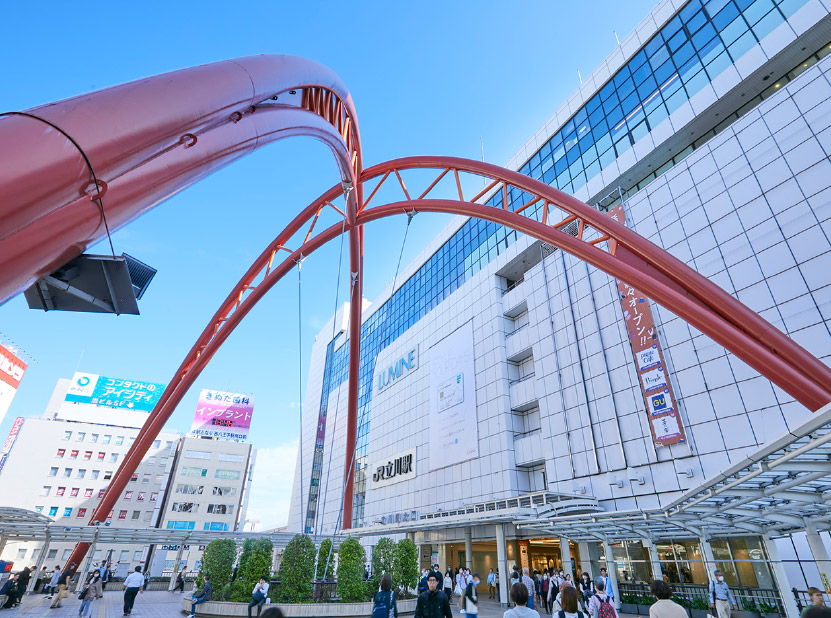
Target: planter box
[
  {"x": 628, "y": 608},
  {"x": 700, "y": 613},
  {"x": 296, "y": 610},
  {"x": 772, "y": 615},
  {"x": 643, "y": 610},
  {"x": 743, "y": 614}
]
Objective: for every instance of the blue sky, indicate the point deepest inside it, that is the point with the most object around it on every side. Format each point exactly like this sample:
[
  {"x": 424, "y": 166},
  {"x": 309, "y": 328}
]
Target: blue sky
[{"x": 426, "y": 77}]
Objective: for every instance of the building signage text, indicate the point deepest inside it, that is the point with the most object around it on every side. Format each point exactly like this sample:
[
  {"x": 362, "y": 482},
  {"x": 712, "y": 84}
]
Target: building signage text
[
  {"x": 403, "y": 366},
  {"x": 394, "y": 469}
]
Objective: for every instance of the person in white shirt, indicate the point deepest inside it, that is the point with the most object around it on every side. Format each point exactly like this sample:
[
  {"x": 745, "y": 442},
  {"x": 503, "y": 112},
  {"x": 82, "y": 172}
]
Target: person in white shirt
[
  {"x": 258, "y": 596},
  {"x": 131, "y": 587}
]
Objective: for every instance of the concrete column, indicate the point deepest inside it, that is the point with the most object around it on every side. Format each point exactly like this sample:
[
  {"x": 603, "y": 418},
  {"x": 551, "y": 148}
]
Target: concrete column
[
  {"x": 176, "y": 563},
  {"x": 39, "y": 565},
  {"x": 411, "y": 536},
  {"x": 469, "y": 548},
  {"x": 565, "y": 554},
  {"x": 585, "y": 559},
  {"x": 820, "y": 554},
  {"x": 2, "y": 544},
  {"x": 611, "y": 571},
  {"x": 502, "y": 564},
  {"x": 782, "y": 583},
  {"x": 709, "y": 558},
  {"x": 654, "y": 560}
]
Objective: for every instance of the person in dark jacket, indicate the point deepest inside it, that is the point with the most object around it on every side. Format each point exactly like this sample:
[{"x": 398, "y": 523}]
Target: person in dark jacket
[
  {"x": 22, "y": 584},
  {"x": 10, "y": 590},
  {"x": 472, "y": 597},
  {"x": 433, "y": 603},
  {"x": 386, "y": 597},
  {"x": 203, "y": 596},
  {"x": 63, "y": 584}
]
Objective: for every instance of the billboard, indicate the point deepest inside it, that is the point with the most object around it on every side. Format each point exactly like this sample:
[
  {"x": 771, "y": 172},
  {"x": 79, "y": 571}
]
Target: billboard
[
  {"x": 649, "y": 361},
  {"x": 223, "y": 415},
  {"x": 11, "y": 373},
  {"x": 113, "y": 392},
  {"x": 454, "y": 436},
  {"x": 7, "y": 446}
]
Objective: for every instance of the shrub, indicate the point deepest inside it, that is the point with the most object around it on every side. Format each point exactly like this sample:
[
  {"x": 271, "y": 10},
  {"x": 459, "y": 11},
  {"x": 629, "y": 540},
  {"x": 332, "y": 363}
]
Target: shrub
[
  {"x": 326, "y": 561},
  {"x": 351, "y": 561},
  {"x": 217, "y": 564},
  {"x": 405, "y": 565},
  {"x": 255, "y": 562},
  {"x": 699, "y": 603},
  {"x": 383, "y": 561},
  {"x": 297, "y": 570}
]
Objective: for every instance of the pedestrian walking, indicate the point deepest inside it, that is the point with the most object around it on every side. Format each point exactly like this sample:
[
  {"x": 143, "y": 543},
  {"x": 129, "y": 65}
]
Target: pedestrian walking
[
  {"x": 461, "y": 586},
  {"x": 569, "y": 607},
  {"x": 472, "y": 597},
  {"x": 131, "y": 587},
  {"x": 519, "y": 595},
  {"x": 607, "y": 583},
  {"x": 491, "y": 584},
  {"x": 664, "y": 607},
  {"x": 817, "y": 608},
  {"x": 528, "y": 583},
  {"x": 22, "y": 584},
  {"x": 384, "y": 605},
  {"x": 448, "y": 583},
  {"x": 42, "y": 581},
  {"x": 721, "y": 599},
  {"x": 601, "y": 604},
  {"x": 106, "y": 575},
  {"x": 545, "y": 588},
  {"x": 584, "y": 587},
  {"x": 180, "y": 581},
  {"x": 203, "y": 596},
  {"x": 53, "y": 581},
  {"x": 63, "y": 583},
  {"x": 433, "y": 603},
  {"x": 92, "y": 590},
  {"x": 258, "y": 596}
]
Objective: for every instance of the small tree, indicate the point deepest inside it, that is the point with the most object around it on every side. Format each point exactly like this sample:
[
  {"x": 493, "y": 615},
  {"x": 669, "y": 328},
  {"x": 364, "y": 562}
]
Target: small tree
[
  {"x": 351, "y": 561},
  {"x": 326, "y": 561},
  {"x": 255, "y": 562},
  {"x": 406, "y": 565},
  {"x": 383, "y": 561},
  {"x": 297, "y": 570},
  {"x": 217, "y": 564}
]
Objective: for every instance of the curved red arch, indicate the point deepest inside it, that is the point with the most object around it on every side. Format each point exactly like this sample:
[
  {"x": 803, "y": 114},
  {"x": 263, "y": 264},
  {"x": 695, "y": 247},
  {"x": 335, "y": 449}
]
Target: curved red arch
[{"x": 752, "y": 349}]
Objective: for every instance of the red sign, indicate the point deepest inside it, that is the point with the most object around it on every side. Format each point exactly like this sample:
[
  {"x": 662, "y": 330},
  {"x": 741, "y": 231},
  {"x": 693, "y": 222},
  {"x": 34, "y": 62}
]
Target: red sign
[
  {"x": 18, "y": 423},
  {"x": 11, "y": 367},
  {"x": 653, "y": 376}
]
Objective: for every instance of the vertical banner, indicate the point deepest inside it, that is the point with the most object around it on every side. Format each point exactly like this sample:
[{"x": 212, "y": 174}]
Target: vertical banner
[
  {"x": 454, "y": 433},
  {"x": 7, "y": 446},
  {"x": 649, "y": 360},
  {"x": 11, "y": 373}
]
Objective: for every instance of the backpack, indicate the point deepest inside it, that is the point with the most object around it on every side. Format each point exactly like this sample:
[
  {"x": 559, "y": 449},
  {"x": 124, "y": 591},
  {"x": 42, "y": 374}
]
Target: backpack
[
  {"x": 606, "y": 610},
  {"x": 383, "y": 607}
]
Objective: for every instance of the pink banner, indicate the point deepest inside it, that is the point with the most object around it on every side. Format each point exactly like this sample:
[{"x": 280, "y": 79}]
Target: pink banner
[{"x": 223, "y": 415}]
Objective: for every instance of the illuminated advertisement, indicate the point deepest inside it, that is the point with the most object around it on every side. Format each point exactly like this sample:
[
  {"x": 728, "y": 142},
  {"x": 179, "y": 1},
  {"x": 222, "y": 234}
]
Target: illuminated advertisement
[
  {"x": 649, "y": 361},
  {"x": 223, "y": 415},
  {"x": 114, "y": 392},
  {"x": 11, "y": 373}
]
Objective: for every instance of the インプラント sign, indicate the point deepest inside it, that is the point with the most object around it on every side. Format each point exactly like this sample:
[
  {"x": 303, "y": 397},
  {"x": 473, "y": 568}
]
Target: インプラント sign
[{"x": 223, "y": 415}]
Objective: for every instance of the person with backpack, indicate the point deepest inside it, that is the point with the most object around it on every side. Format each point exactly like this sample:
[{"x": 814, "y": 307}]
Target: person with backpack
[
  {"x": 664, "y": 607},
  {"x": 569, "y": 608},
  {"x": 600, "y": 605},
  {"x": 433, "y": 603},
  {"x": 384, "y": 605},
  {"x": 472, "y": 597},
  {"x": 519, "y": 595},
  {"x": 584, "y": 587},
  {"x": 258, "y": 596},
  {"x": 607, "y": 581}
]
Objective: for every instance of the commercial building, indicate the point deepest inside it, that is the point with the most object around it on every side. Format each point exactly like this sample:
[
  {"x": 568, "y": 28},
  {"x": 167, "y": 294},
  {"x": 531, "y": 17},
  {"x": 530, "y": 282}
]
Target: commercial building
[
  {"x": 509, "y": 410},
  {"x": 59, "y": 466}
]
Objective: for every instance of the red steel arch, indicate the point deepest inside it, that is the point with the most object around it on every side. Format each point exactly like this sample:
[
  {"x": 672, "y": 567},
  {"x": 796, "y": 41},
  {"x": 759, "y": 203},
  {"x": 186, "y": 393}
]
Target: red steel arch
[
  {"x": 675, "y": 285},
  {"x": 109, "y": 156}
]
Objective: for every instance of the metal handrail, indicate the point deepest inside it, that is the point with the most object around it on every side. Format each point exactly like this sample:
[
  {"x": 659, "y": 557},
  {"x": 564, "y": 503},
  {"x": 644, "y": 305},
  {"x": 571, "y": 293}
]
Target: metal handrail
[
  {"x": 522, "y": 379},
  {"x": 517, "y": 329}
]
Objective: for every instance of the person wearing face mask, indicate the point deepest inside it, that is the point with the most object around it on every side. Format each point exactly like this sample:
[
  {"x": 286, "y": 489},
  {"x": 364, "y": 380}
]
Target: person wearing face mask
[
  {"x": 721, "y": 599},
  {"x": 471, "y": 597},
  {"x": 91, "y": 591}
]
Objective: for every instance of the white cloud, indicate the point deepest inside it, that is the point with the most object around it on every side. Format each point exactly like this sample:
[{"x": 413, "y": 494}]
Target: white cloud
[{"x": 271, "y": 488}]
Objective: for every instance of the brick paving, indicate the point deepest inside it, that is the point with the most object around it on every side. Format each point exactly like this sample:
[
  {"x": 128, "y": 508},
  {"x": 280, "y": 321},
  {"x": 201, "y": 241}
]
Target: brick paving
[{"x": 151, "y": 604}]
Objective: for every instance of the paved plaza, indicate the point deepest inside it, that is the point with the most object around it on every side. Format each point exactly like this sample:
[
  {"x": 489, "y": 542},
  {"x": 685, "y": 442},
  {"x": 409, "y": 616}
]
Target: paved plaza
[{"x": 159, "y": 604}]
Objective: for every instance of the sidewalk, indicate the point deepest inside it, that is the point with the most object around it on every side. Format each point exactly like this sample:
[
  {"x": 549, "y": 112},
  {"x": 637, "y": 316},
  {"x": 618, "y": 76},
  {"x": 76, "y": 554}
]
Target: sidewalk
[{"x": 151, "y": 604}]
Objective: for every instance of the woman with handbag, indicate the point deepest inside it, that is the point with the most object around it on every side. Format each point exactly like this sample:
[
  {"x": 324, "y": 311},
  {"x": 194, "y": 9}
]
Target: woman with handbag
[{"x": 92, "y": 590}]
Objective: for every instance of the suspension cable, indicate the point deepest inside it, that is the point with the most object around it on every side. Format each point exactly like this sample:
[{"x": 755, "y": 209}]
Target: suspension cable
[
  {"x": 300, "y": 380},
  {"x": 319, "y": 519},
  {"x": 351, "y": 478}
]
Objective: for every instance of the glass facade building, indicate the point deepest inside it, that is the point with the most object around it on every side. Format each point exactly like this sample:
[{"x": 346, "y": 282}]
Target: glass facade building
[{"x": 687, "y": 53}]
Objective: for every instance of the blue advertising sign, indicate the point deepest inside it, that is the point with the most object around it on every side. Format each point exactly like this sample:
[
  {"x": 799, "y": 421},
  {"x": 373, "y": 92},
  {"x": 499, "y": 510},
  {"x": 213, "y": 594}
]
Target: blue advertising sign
[{"x": 114, "y": 392}]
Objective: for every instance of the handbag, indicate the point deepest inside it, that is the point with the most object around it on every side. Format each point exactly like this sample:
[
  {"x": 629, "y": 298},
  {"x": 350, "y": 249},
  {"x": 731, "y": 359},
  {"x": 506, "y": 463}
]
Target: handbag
[
  {"x": 457, "y": 590},
  {"x": 83, "y": 594}
]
